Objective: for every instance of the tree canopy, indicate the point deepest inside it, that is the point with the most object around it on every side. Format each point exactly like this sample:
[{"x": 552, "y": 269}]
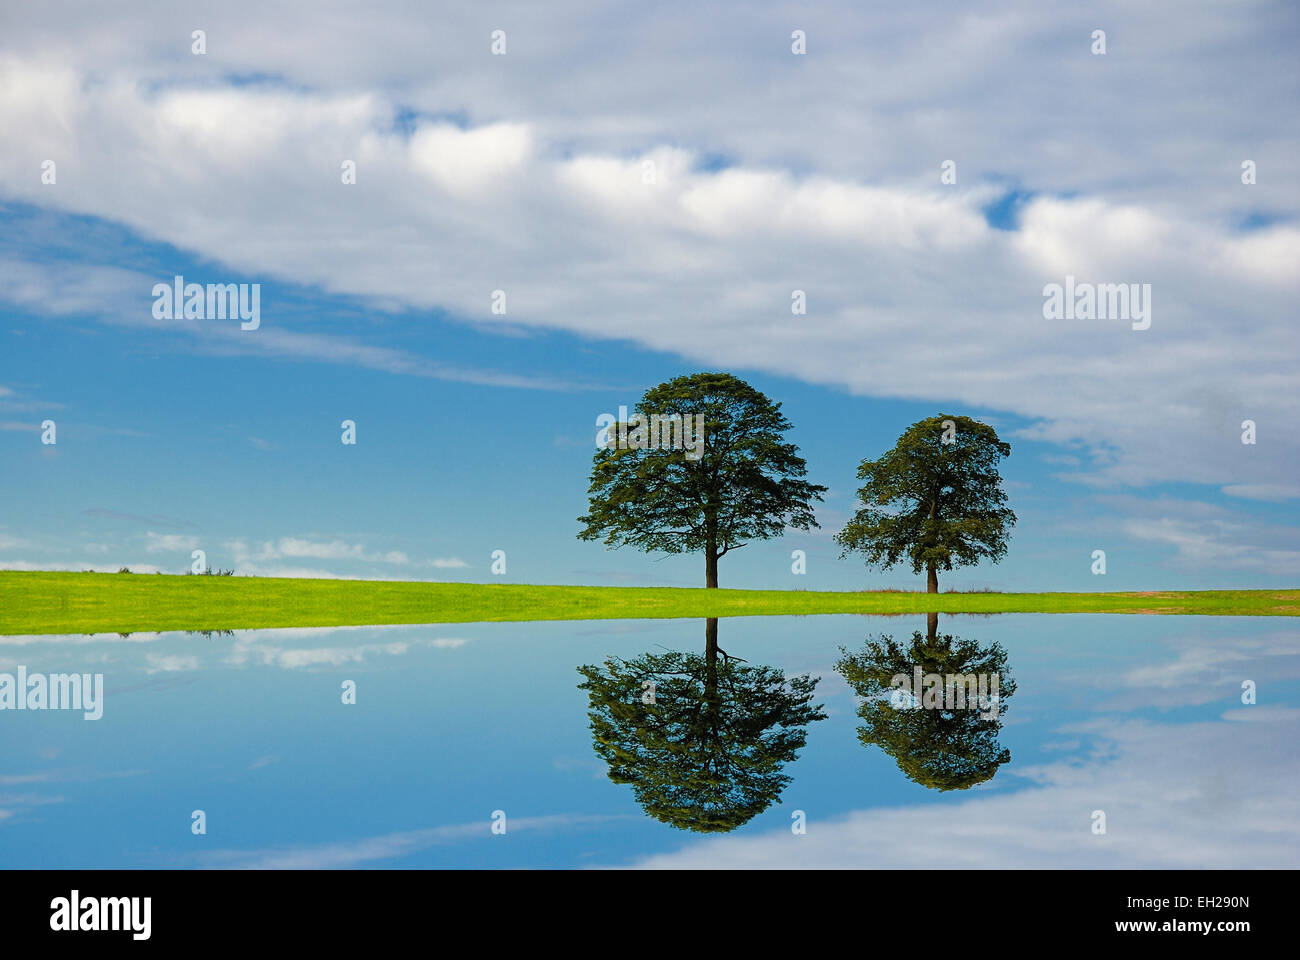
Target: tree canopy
[
  {"x": 939, "y": 748},
  {"x": 747, "y": 483},
  {"x": 702, "y": 740},
  {"x": 935, "y": 500}
]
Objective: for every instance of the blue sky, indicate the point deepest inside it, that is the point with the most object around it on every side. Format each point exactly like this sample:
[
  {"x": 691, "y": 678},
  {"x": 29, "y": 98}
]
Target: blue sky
[{"x": 526, "y": 173}]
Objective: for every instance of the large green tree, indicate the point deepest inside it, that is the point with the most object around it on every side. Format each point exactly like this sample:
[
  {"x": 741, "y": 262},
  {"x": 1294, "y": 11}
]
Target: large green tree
[
  {"x": 935, "y": 500},
  {"x": 702, "y": 740},
  {"x": 747, "y": 483}
]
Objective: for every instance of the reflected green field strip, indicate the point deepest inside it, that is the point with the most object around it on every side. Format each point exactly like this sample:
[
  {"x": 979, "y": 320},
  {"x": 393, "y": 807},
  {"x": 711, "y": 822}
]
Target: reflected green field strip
[{"x": 47, "y": 602}]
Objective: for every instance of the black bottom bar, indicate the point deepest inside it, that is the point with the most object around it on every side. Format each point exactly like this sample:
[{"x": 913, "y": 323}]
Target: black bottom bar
[{"x": 941, "y": 909}]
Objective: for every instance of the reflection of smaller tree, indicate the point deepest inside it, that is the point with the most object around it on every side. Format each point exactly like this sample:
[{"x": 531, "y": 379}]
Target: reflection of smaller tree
[{"x": 938, "y": 748}]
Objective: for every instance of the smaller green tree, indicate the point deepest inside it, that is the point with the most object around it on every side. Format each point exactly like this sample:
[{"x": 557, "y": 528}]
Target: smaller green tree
[
  {"x": 935, "y": 500},
  {"x": 943, "y": 749}
]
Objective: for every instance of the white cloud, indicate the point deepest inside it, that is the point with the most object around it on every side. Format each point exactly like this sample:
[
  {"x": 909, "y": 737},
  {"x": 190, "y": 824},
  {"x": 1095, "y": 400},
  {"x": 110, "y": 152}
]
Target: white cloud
[
  {"x": 90, "y": 566},
  {"x": 257, "y": 647},
  {"x": 463, "y": 161},
  {"x": 1273, "y": 714},
  {"x": 1221, "y": 541},
  {"x": 170, "y": 663},
  {"x": 1161, "y": 812},
  {"x": 391, "y": 846},
  {"x": 170, "y": 542},
  {"x": 250, "y": 559},
  {"x": 1206, "y": 669},
  {"x": 830, "y": 186},
  {"x": 1263, "y": 491}
]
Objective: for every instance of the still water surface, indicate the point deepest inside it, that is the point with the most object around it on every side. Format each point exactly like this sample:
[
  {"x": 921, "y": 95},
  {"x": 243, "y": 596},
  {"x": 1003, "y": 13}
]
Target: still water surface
[{"x": 721, "y": 749}]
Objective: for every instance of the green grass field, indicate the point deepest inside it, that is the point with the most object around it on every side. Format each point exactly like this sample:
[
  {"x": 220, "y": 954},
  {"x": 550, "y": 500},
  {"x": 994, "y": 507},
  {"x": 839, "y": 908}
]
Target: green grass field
[{"x": 40, "y": 602}]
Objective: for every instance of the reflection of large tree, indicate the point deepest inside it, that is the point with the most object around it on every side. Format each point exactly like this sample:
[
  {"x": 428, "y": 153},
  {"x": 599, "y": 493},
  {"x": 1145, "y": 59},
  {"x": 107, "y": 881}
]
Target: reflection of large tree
[
  {"x": 941, "y": 749},
  {"x": 706, "y": 752}
]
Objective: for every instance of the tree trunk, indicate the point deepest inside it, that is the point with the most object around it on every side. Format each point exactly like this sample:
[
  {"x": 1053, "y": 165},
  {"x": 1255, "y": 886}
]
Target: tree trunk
[
  {"x": 711, "y": 552},
  {"x": 931, "y": 627},
  {"x": 932, "y": 572},
  {"x": 711, "y": 704}
]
